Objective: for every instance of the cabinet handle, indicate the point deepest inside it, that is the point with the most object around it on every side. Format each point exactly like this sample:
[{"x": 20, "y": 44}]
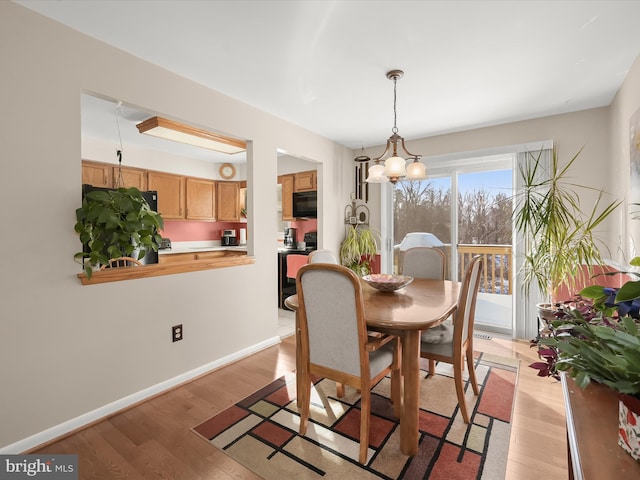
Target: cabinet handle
[{"x": 105, "y": 180}]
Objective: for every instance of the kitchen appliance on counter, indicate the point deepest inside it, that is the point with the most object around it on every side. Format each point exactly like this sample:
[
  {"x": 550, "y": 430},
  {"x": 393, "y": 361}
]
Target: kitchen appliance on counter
[
  {"x": 165, "y": 243},
  {"x": 229, "y": 238},
  {"x": 291, "y": 238},
  {"x": 311, "y": 240}
]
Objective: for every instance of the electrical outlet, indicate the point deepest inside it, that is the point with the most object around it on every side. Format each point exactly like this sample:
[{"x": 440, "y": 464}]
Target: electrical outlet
[{"x": 177, "y": 333}]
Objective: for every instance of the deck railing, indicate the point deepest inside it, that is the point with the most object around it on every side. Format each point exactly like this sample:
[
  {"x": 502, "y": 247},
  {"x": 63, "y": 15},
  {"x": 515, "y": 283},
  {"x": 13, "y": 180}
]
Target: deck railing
[{"x": 497, "y": 271}]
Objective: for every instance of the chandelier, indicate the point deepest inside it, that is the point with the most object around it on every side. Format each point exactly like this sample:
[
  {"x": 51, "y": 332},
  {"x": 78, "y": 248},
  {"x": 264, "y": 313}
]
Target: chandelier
[{"x": 395, "y": 167}]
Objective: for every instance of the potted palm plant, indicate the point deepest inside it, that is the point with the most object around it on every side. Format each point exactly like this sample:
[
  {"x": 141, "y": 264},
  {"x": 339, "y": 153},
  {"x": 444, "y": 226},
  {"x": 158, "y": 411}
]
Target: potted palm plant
[
  {"x": 115, "y": 223},
  {"x": 561, "y": 236}
]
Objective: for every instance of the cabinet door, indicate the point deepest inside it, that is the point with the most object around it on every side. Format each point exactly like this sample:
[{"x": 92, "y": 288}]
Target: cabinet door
[
  {"x": 228, "y": 201},
  {"x": 131, "y": 177},
  {"x": 96, "y": 174},
  {"x": 287, "y": 182},
  {"x": 305, "y": 181},
  {"x": 170, "y": 190},
  {"x": 201, "y": 198}
]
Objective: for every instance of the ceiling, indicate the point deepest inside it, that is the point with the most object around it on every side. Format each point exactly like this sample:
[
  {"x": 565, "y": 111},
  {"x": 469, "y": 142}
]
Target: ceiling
[{"x": 322, "y": 64}]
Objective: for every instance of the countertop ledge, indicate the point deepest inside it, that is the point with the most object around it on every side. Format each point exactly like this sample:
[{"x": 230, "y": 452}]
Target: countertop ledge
[
  {"x": 215, "y": 248},
  {"x": 156, "y": 270}
]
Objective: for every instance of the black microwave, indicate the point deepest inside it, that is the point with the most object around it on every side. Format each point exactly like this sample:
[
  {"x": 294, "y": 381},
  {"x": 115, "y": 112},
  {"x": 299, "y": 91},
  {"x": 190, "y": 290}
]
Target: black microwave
[{"x": 305, "y": 204}]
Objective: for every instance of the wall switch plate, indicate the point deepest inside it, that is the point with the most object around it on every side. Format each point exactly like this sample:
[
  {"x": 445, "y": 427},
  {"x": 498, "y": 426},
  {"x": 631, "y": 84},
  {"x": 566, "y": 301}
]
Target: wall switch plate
[{"x": 176, "y": 333}]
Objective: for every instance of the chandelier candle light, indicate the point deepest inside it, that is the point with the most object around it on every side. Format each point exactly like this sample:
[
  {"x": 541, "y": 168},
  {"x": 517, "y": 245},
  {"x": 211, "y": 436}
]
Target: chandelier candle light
[{"x": 395, "y": 166}]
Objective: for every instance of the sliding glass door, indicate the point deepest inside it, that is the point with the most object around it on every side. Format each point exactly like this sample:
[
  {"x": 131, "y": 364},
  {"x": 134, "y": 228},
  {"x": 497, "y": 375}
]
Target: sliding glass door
[{"x": 464, "y": 208}]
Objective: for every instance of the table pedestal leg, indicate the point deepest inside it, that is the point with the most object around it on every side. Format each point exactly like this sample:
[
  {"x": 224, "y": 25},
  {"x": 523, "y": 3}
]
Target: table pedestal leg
[{"x": 410, "y": 405}]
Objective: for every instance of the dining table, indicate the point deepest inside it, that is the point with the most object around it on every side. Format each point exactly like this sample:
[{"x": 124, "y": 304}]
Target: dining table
[{"x": 406, "y": 312}]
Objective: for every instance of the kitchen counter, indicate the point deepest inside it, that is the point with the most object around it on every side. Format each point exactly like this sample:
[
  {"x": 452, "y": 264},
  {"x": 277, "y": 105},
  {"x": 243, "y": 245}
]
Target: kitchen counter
[
  {"x": 173, "y": 250},
  {"x": 200, "y": 247}
]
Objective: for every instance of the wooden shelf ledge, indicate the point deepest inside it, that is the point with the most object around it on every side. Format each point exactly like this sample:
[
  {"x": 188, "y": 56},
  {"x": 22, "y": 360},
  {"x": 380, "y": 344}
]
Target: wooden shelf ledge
[{"x": 156, "y": 270}]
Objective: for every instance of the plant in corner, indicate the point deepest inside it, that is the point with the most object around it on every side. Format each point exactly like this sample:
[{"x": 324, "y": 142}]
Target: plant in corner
[
  {"x": 560, "y": 240},
  {"x": 115, "y": 223},
  {"x": 358, "y": 250},
  {"x": 560, "y": 235}
]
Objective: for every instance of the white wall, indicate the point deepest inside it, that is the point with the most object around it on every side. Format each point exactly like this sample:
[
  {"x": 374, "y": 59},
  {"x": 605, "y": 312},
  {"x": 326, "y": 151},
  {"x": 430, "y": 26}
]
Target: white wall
[
  {"x": 624, "y": 105},
  {"x": 67, "y": 349}
]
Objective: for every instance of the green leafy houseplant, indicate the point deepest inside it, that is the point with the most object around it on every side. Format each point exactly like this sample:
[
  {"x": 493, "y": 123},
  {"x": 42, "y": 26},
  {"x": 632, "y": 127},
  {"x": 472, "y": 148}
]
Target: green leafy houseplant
[
  {"x": 599, "y": 339},
  {"x": 115, "y": 223},
  {"x": 562, "y": 235},
  {"x": 358, "y": 250},
  {"x": 602, "y": 344}
]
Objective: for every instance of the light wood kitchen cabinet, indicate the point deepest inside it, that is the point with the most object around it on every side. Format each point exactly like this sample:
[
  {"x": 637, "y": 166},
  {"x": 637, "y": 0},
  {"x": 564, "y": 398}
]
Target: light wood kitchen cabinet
[
  {"x": 131, "y": 177},
  {"x": 96, "y": 174},
  {"x": 305, "y": 181},
  {"x": 201, "y": 199},
  {"x": 171, "y": 195},
  {"x": 287, "y": 182},
  {"x": 228, "y": 201}
]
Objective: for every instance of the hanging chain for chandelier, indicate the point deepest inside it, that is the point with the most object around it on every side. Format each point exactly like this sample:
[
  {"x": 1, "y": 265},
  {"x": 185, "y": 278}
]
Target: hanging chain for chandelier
[{"x": 395, "y": 167}]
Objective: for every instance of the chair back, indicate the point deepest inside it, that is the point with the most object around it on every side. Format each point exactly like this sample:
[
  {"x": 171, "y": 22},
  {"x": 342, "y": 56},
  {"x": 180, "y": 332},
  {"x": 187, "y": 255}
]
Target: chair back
[
  {"x": 322, "y": 256},
  {"x": 465, "y": 313},
  {"x": 331, "y": 318},
  {"x": 121, "y": 262},
  {"x": 424, "y": 262}
]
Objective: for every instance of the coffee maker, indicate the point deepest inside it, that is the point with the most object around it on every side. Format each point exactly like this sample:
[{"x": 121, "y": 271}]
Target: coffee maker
[
  {"x": 290, "y": 237},
  {"x": 229, "y": 238}
]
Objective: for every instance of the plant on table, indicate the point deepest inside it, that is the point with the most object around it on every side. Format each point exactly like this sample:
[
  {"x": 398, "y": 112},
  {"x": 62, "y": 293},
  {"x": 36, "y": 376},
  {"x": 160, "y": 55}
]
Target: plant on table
[
  {"x": 115, "y": 223},
  {"x": 600, "y": 342}
]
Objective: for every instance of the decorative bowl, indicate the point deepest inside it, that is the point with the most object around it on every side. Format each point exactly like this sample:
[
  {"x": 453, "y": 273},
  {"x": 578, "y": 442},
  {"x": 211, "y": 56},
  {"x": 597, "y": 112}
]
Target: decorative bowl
[{"x": 386, "y": 282}]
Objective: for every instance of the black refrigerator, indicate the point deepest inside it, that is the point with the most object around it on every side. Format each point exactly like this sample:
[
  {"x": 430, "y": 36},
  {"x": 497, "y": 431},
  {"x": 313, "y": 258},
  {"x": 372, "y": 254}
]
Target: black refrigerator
[{"x": 151, "y": 197}]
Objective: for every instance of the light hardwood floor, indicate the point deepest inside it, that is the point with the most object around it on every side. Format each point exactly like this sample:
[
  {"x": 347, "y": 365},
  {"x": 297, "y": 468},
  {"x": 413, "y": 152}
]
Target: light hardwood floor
[{"x": 153, "y": 439}]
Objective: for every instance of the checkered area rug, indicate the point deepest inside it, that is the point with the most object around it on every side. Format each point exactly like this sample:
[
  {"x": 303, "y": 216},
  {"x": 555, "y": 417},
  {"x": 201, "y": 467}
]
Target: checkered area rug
[{"x": 261, "y": 431}]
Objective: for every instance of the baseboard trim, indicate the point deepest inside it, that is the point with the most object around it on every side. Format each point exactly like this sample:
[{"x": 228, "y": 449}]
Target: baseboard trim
[{"x": 84, "y": 420}]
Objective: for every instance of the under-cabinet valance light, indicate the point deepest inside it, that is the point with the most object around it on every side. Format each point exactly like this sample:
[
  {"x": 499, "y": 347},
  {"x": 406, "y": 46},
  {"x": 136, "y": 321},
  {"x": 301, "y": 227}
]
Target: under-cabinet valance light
[
  {"x": 179, "y": 132},
  {"x": 395, "y": 166}
]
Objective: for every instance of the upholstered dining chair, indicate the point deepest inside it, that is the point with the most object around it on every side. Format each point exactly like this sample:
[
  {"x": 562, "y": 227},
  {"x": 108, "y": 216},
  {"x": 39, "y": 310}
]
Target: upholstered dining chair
[
  {"x": 334, "y": 343},
  {"x": 429, "y": 263},
  {"x": 454, "y": 350},
  {"x": 322, "y": 256},
  {"x": 424, "y": 262}
]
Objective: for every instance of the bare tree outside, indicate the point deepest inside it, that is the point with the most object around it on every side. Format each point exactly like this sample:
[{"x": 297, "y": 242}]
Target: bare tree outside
[
  {"x": 422, "y": 207},
  {"x": 484, "y": 221},
  {"x": 483, "y": 217}
]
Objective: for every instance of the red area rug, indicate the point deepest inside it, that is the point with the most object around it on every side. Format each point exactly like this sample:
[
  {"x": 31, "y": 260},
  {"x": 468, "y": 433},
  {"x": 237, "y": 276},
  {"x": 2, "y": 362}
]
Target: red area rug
[{"x": 261, "y": 431}]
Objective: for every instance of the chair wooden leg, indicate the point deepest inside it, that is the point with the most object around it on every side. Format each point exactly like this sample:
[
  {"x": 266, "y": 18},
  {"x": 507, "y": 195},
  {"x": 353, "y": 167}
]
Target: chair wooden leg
[
  {"x": 396, "y": 392},
  {"x": 339, "y": 389},
  {"x": 472, "y": 372},
  {"x": 305, "y": 401},
  {"x": 457, "y": 378},
  {"x": 365, "y": 411},
  {"x": 432, "y": 368},
  {"x": 396, "y": 379}
]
